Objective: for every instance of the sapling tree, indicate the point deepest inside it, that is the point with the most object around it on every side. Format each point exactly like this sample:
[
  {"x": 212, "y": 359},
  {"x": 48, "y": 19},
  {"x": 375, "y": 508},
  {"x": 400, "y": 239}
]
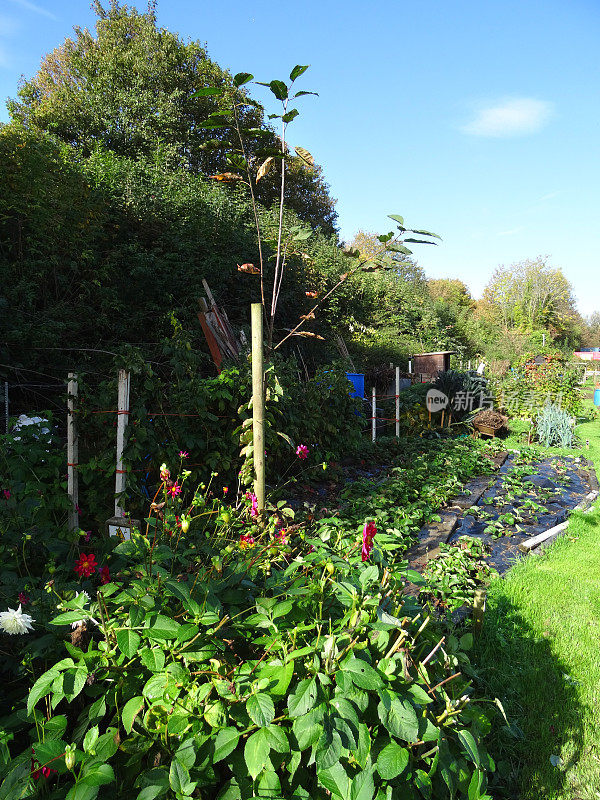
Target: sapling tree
[{"x": 250, "y": 163}]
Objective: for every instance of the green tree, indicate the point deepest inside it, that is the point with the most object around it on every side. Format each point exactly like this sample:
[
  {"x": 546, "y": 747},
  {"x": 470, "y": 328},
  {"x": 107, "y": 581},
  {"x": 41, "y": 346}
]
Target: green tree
[{"x": 131, "y": 88}]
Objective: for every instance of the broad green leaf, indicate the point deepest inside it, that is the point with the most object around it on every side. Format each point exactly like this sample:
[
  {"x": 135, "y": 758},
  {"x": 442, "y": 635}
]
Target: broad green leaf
[
  {"x": 256, "y": 752},
  {"x": 261, "y": 709},
  {"x": 150, "y": 793},
  {"x": 392, "y": 761},
  {"x": 179, "y": 778},
  {"x": 186, "y": 752},
  {"x": 279, "y": 676},
  {"x": 423, "y": 783},
  {"x": 128, "y": 642},
  {"x": 68, "y": 618},
  {"x": 90, "y": 739},
  {"x": 241, "y": 78},
  {"x": 74, "y": 681},
  {"x": 278, "y": 739},
  {"x": 309, "y": 727},
  {"x": 362, "y": 674},
  {"x": 225, "y": 743},
  {"x": 297, "y": 71},
  {"x": 397, "y": 218},
  {"x": 269, "y": 785},
  {"x": 335, "y": 779},
  {"x": 279, "y": 89},
  {"x": 363, "y": 786},
  {"x": 426, "y": 233},
  {"x": 290, "y": 115},
  {"x": 40, "y": 688},
  {"x": 98, "y": 775},
  {"x": 466, "y": 641},
  {"x": 82, "y": 791},
  {"x": 162, "y": 628},
  {"x": 130, "y": 711},
  {"x": 470, "y": 745},
  {"x": 329, "y": 748},
  {"x": 47, "y": 751},
  {"x": 153, "y": 659},
  {"x": 303, "y": 698}
]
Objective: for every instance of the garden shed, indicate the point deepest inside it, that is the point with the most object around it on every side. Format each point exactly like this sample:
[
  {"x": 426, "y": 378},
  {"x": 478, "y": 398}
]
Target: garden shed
[{"x": 431, "y": 364}]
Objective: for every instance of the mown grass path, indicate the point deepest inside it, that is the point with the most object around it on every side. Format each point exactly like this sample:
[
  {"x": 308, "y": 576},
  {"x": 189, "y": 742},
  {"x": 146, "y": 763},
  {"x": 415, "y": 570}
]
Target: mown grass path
[{"x": 540, "y": 653}]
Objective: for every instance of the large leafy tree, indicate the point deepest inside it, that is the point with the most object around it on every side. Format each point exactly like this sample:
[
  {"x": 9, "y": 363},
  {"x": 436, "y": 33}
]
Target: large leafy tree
[{"x": 131, "y": 87}]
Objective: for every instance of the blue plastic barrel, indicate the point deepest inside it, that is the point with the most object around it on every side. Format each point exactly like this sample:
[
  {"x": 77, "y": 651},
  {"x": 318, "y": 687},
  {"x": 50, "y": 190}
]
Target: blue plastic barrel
[
  {"x": 358, "y": 384},
  {"x": 597, "y": 397}
]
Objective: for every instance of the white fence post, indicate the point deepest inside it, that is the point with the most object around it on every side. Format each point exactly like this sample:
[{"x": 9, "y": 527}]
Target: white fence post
[
  {"x": 373, "y": 416},
  {"x": 72, "y": 454},
  {"x": 122, "y": 414},
  {"x": 397, "y": 402}
]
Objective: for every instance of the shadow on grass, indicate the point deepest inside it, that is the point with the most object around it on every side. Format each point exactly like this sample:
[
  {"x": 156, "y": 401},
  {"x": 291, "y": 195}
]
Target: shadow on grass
[{"x": 513, "y": 663}]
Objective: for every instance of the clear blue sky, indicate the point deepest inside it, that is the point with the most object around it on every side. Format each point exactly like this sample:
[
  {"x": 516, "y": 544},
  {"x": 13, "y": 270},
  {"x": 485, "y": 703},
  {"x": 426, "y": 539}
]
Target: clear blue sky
[{"x": 476, "y": 119}]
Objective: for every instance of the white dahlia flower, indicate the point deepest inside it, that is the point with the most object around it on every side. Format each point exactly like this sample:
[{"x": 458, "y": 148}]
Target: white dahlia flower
[{"x": 15, "y": 622}]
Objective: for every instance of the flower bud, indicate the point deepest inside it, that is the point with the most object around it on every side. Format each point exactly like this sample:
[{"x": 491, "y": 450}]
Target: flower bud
[{"x": 70, "y": 756}]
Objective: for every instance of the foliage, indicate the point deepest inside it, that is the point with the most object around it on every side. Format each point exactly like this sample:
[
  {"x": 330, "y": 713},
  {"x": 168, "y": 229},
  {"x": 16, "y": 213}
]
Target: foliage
[
  {"x": 456, "y": 573},
  {"x": 466, "y": 391},
  {"x": 554, "y": 427},
  {"x": 531, "y": 385},
  {"x": 332, "y": 693}
]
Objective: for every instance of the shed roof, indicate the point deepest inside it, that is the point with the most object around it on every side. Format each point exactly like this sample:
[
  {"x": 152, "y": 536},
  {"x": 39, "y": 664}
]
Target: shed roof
[{"x": 438, "y": 353}]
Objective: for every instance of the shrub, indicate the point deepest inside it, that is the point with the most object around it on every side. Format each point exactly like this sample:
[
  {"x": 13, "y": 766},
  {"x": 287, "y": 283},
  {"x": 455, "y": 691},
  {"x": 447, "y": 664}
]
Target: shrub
[{"x": 234, "y": 661}]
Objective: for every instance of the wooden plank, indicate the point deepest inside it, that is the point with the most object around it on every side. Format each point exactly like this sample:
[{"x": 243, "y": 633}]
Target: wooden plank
[{"x": 213, "y": 346}]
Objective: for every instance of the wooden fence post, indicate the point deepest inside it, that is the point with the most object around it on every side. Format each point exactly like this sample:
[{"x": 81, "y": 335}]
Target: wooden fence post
[
  {"x": 397, "y": 402},
  {"x": 258, "y": 405},
  {"x": 373, "y": 416},
  {"x": 72, "y": 454},
  {"x": 122, "y": 414}
]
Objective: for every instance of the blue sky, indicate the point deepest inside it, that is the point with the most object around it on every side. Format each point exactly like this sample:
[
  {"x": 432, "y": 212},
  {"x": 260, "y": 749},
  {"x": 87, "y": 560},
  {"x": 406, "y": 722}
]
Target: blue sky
[{"x": 477, "y": 120}]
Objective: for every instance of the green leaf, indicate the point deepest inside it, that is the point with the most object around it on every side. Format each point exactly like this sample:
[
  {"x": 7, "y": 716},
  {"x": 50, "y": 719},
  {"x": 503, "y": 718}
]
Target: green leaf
[
  {"x": 423, "y": 783},
  {"x": 418, "y": 241},
  {"x": 90, "y": 739},
  {"x": 47, "y": 751},
  {"x": 470, "y": 745},
  {"x": 40, "y": 688},
  {"x": 297, "y": 71},
  {"x": 81, "y": 791},
  {"x": 335, "y": 779},
  {"x": 329, "y": 748},
  {"x": 308, "y": 728},
  {"x": 392, "y": 761},
  {"x": 162, "y": 628},
  {"x": 98, "y": 775},
  {"x": 290, "y": 115},
  {"x": 279, "y": 89},
  {"x": 303, "y": 698},
  {"x": 130, "y": 711},
  {"x": 399, "y": 717},
  {"x": 427, "y": 233},
  {"x": 179, "y": 778},
  {"x": 74, "y": 681},
  {"x": 241, "y": 78},
  {"x": 225, "y": 743},
  {"x": 300, "y": 94},
  {"x": 466, "y": 641},
  {"x": 394, "y": 247},
  {"x": 278, "y": 739},
  {"x": 261, "y": 709},
  {"x": 397, "y": 218},
  {"x": 363, "y": 786},
  {"x": 154, "y": 660},
  {"x": 362, "y": 674},
  {"x": 150, "y": 793},
  {"x": 256, "y": 752},
  {"x": 128, "y": 642},
  {"x": 68, "y": 618},
  {"x": 208, "y": 91}
]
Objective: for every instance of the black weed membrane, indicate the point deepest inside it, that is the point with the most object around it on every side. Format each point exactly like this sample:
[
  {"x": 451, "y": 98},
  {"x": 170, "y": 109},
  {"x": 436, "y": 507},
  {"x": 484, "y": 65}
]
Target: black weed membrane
[{"x": 529, "y": 495}]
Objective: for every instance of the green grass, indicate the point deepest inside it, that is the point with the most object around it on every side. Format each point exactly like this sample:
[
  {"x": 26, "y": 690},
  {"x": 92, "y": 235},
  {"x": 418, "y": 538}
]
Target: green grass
[{"x": 539, "y": 653}]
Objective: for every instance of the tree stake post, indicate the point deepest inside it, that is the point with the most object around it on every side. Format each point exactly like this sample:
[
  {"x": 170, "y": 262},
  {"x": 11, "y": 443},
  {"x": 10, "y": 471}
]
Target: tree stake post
[
  {"x": 258, "y": 405},
  {"x": 397, "y": 402},
  {"x": 122, "y": 414},
  {"x": 72, "y": 454},
  {"x": 373, "y": 415}
]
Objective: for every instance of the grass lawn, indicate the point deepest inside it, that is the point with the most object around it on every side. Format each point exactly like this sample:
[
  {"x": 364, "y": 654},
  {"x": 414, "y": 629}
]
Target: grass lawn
[{"x": 540, "y": 653}]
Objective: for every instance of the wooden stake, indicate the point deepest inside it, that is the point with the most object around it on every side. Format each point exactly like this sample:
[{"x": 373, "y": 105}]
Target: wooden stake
[
  {"x": 397, "y": 402},
  {"x": 258, "y": 404},
  {"x": 478, "y": 610},
  {"x": 373, "y": 416},
  {"x": 122, "y": 415},
  {"x": 72, "y": 454}
]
